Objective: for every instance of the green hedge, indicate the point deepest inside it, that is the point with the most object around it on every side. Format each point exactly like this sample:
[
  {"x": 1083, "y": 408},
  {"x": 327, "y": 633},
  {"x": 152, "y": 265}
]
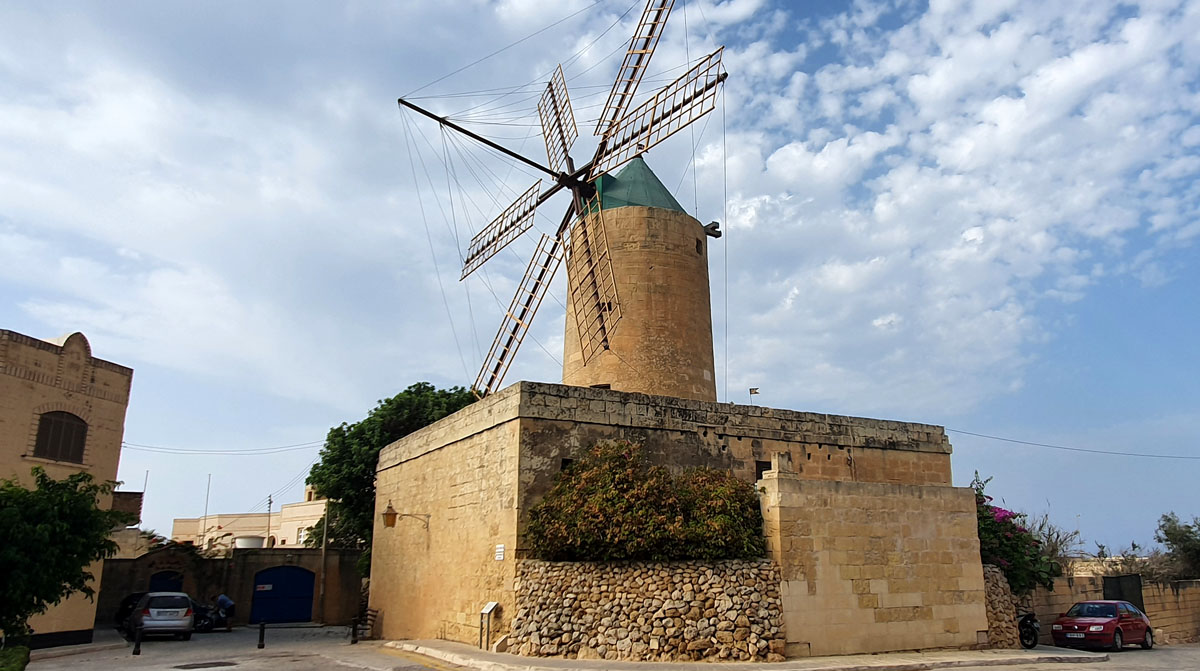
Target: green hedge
[
  {"x": 612, "y": 505},
  {"x": 14, "y": 658}
]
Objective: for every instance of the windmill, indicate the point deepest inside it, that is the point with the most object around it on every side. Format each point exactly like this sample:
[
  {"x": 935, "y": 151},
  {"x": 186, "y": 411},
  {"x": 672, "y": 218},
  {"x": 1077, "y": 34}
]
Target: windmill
[{"x": 594, "y": 306}]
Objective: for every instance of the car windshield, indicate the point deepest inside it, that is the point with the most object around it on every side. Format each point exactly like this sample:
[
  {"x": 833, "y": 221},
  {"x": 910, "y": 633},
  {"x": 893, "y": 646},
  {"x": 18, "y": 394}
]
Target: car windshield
[
  {"x": 1092, "y": 610},
  {"x": 169, "y": 602}
]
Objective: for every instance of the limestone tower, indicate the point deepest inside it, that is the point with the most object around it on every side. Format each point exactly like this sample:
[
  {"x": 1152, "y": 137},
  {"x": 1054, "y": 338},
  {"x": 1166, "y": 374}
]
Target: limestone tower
[{"x": 663, "y": 344}]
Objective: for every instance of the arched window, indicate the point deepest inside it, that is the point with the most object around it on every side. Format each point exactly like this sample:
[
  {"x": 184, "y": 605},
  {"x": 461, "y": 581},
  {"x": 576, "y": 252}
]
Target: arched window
[{"x": 60, "y": 437}]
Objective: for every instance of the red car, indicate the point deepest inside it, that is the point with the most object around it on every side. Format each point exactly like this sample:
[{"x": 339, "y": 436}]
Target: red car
[{"x": 1102, "y": 624}]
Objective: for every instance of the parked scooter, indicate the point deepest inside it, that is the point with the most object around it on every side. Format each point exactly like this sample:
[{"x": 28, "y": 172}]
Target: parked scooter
[
  {"x": 208, "y": 618},
  {"x": 1028, "y": 630}
]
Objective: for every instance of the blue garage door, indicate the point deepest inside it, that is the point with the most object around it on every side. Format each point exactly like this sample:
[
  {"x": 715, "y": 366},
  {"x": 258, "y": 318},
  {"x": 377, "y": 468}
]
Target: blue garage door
[{"x": 282, "y": 594}]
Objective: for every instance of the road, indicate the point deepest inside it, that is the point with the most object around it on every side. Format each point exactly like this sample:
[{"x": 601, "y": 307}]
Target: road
[
  {"x": 1170, "y": 658},
  {"x": 323, "y": 649},
  {"x": 297, "y": 649}
]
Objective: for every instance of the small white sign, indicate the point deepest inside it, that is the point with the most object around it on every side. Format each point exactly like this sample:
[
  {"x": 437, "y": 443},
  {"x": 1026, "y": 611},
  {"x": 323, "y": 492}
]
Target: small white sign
[
  {"x": 488, "y": 608},
  {"x": 263, "y": 588},
  {"x": 500, "y": 552}
]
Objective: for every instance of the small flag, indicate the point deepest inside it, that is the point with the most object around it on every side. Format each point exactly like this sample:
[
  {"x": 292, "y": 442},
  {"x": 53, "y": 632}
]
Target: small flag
[{"x": 753, "y": 390}]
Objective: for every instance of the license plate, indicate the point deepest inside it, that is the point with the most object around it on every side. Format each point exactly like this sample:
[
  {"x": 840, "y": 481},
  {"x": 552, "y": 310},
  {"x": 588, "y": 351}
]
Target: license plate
[{"x": 1074, "y": 635}]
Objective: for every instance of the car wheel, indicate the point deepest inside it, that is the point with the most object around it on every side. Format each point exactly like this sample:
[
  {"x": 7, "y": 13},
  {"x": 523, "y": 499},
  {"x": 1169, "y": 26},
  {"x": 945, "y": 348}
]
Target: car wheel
[
  {"x": 1118, "y": 641},
  {"x": 1148, "y": 642}
]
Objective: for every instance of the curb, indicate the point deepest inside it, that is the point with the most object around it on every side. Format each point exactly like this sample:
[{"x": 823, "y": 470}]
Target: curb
[
  {"x": 66, "y": 651},
  {"x": 474, "y": 662}
]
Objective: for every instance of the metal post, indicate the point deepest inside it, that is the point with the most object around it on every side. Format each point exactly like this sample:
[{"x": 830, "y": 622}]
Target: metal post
[
  {"x": 354, "y": 631},
  {"x": 262, "y": 635},
  {"x": 137, "y": 641},
  {"x": 324, "y": 546}
]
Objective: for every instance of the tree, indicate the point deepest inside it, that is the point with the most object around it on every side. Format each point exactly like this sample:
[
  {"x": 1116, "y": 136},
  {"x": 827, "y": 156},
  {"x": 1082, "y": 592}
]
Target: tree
[
  {"x": 345, "y": 475},
  {"x": 1183, "y": 544},
  {"x": 49, "y": 535}
]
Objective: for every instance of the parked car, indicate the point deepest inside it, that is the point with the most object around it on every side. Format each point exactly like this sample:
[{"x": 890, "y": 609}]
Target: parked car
[
  {"x": 125, "y": 610},
  {"x": 163, "y": 613},
  {"x": 1102, "y": 624}
]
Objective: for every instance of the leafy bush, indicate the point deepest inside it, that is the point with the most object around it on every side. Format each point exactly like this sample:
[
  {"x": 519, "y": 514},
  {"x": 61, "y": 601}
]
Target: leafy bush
[
  {"x": 1183, "y": 545},
  {"x": 612, "y": 505},
  {"x": 14, "y": 658},
  {"x": 1005, "y": 542}
]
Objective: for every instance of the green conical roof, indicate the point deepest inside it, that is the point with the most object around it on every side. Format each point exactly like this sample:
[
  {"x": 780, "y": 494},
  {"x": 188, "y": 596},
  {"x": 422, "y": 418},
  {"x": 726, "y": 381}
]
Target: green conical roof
[{"x": 634, "y": 185}]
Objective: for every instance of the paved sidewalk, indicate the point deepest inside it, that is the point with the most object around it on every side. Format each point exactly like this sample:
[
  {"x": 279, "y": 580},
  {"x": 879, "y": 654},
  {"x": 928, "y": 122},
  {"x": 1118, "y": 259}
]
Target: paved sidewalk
[{"x": 469, "y": 656}]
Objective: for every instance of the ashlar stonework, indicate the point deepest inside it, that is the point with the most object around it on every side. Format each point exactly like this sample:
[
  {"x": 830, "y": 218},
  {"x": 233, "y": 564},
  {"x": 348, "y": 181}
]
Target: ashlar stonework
[{"x": 648, "y": 611}]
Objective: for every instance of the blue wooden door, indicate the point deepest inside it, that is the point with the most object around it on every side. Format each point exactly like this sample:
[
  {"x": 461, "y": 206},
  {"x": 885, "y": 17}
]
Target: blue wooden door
[{"x": 282, "y": 594}]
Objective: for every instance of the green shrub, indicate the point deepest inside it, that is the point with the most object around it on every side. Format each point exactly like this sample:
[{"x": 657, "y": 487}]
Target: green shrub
[
  {"x": 1005, "y": 542},
  {"x": 14, "y": 658},
  {"x": 612, "y": 505}
]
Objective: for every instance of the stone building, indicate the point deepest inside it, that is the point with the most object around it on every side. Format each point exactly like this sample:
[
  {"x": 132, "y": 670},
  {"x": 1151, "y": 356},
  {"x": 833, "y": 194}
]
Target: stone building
[
  {"x": 285, "y": 528},
  {"x": 875, "y": 549},
  {"x": 64, "y": 410}
]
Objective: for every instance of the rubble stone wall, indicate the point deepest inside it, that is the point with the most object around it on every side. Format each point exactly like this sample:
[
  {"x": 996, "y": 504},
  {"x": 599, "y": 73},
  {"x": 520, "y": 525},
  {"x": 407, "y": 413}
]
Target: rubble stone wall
[
  {"x": 1001, "y": 609},
  {"x": 669, "y": 611}
]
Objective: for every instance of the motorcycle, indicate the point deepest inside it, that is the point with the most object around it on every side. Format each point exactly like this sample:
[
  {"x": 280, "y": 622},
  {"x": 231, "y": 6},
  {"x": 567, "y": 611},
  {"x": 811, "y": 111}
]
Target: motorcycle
[
  {"x": 208, "y": 618},
  {"x": 1028, "y": 630}
]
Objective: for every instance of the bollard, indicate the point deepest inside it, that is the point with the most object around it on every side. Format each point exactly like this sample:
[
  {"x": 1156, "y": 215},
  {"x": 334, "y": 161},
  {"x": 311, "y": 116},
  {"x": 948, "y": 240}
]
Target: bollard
[
  {"x": 262, "y": 634},
  {"x": 137, "y": 641},
  {"x": 354, "y": 631}
]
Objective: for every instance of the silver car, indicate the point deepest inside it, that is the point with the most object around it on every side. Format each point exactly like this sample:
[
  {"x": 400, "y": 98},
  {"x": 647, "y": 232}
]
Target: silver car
[{"x": 163, "y": 613}]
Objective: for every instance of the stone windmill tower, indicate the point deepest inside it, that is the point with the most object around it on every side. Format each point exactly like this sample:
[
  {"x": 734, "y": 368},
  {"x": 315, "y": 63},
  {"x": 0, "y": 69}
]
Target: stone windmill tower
[{"x": 639, "y": 317}]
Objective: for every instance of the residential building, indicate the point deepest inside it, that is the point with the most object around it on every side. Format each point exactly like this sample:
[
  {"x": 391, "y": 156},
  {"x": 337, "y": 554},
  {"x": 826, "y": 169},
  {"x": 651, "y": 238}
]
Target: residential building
[
  {"x": 284, "y": 528},
  {"x": 64, "y": 410}
]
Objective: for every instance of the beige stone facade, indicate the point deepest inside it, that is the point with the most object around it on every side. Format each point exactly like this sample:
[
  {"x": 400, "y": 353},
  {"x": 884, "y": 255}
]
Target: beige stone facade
[
  {"x": 286, "y": 528},
  {"x": 64, "y": 410},
  {"x": 663, "y": 341},
  {"x": 874, "y": 567},
  {"x": 894, "y": 548}
]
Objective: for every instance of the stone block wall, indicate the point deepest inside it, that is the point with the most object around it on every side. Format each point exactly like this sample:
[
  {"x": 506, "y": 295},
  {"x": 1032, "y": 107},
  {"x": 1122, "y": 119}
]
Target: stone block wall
[
  {"x": 672, "y": 611},
  {"x": 454, "y": 486},
  {"x": 871, "y": 567},
  {"x": 1174, "y": 610}
]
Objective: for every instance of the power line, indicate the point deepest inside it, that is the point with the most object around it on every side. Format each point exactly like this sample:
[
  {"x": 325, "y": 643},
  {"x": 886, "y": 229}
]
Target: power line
[
  {"x": 1075, "y": 449},
  {"x": 248, "y": 452}
]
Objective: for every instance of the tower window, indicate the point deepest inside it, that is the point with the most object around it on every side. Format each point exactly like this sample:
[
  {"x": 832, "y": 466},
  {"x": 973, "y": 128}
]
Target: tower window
[
  {"x": 61, "y": 437},
  {"x": 699, "y": 246}
]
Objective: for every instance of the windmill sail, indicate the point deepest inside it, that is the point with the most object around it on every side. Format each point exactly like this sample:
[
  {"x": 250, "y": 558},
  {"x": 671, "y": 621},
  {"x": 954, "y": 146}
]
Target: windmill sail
[
  {"x": 671, "y": 110},
  {"x": 558, "y": 122},
  {"x": 593, "y": 290},
  {"x": 524, "y": 306},
  {"x": 637, "y": 57},
  {"x": 504, "y": 229}
]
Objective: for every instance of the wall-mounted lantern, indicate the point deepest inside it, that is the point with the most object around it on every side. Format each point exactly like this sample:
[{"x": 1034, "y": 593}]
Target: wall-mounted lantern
[{"x": 389, "y": 516}]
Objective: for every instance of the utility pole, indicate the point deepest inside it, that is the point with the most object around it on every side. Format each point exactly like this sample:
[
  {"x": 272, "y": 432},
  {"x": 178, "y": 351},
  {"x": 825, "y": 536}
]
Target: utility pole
[
  {"x": 267, "y": 542},
  {"x": 324, "y": 545},
  {"x": 204, "y": 524}
]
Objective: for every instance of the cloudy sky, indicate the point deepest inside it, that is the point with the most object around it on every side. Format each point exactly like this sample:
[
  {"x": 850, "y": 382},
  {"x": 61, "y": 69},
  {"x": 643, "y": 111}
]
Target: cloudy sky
[{"x": 981, "y": 215}]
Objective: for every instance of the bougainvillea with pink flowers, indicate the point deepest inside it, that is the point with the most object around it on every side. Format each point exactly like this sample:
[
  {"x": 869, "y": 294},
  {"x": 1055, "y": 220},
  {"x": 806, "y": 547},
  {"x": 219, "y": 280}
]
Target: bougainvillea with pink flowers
[{"x": 1005, "y": 542}]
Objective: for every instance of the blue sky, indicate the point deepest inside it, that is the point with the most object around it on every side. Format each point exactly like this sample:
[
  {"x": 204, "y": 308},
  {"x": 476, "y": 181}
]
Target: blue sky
[{"x": 980, "y": 215}]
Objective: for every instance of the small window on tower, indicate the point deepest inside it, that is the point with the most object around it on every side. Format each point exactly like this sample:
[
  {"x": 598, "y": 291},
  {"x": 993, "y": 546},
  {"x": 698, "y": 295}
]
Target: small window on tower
[{"x": 699, "y": 246}]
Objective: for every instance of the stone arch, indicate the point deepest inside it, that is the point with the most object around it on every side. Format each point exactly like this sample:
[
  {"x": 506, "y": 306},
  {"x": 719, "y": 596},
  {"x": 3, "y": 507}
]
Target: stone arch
[{"x": 75, "y": 362}]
